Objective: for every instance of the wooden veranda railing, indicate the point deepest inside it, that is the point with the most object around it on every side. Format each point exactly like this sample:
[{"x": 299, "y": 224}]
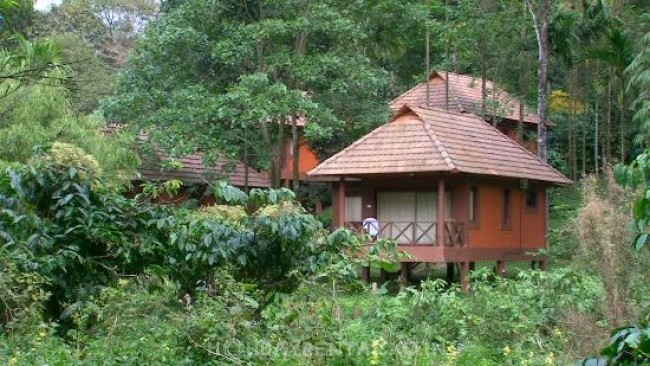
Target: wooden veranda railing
[{"x": 414, "y": 232}]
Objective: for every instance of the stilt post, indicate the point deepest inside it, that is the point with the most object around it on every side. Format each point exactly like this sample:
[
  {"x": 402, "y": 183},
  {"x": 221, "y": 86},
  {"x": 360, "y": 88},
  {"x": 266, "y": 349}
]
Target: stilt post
[
  {"x": 464, "y": 276},
  {"x": 450, "y": 272},
  {"x": 543, "y": 265},
  {"x": 405, "y": 273},
  {"x": 365, "y": 274},
  {"x": 340, "y": 200},
  {"x": 440, "y": 225},
  {"x": 501, "y": 268}
]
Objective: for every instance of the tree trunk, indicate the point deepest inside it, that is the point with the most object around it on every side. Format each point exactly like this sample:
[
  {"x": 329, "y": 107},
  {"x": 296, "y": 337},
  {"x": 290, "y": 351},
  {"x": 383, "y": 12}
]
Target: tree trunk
[
  {"x": 583, "y": 120},
  {"x": 447, "y": 58},
  {"x": 427, "y": 64},
  {"x": 596, "y": 135},
  {"x": 481, "y": 52},
  {"x": 296, "y": 151},
  {"x": 280, "y": 154},
  {"x": 523, "y": 82},
  {"x": 583, "y": 155},
  {"x": 246, "y": 162},
  {"x": 484, "y": 92},
  {"x": 520, "y": 126},
  {"x": 300, "y": 51},
  {"x": 540, "y": 21},
  {"x": 608, "y": 131},
  {"x": 594, "y": 95},
  {"x": 573, "y": 158},
  {"x": 622, "y": 123}
]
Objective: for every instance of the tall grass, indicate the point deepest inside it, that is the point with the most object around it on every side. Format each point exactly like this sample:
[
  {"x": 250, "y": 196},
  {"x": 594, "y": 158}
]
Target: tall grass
[{"x": 604, "y": 225}]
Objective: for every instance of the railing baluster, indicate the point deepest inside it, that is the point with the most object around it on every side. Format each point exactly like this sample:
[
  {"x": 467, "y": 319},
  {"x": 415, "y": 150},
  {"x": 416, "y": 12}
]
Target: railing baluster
[{"x": 414, "y": 232}]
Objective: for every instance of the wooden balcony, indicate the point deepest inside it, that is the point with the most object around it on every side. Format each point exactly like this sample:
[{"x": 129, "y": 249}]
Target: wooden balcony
[{"x": 414, "y": 233}]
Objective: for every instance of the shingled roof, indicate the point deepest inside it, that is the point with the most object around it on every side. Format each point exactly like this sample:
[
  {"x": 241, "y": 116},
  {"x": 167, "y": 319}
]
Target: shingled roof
[
  {"x": 435, "y": 140},
  {"x": 465, "y": 96},
  {"x": 194, "y": 171}
]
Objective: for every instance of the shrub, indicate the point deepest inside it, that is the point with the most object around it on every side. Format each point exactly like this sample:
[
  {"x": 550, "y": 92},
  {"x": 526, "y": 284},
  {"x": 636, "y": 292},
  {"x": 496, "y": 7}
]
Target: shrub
[
  {"x": 603, "y": 224},
  {"x": 72, "y": 231},
  {"x": 23, "y": 295}
]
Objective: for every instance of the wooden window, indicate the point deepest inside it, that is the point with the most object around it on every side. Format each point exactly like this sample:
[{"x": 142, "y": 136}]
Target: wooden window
[
  {"x": 413, "y": 212},
  {"x": 353, "y": 209},
  {"x": 474, "y": 213},
  {"x": 506, "y": 211},
  {"x": 531, "y": 201}
]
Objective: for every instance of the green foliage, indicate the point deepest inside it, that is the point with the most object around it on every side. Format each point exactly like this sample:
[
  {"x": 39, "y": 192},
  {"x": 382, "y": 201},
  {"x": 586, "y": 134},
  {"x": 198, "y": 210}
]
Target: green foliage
[
  {"x": 24, "y": 295},
  {"x": 239, "y": 76},
  {"x": 259, "y": 282},
  {"x": 90, "y": 78},
  {"x": 134, "y": 322},
  {"x": 69, "y": 230},
  {"x": 30, "y": 63},
  {"x": 637, "y": 175},
  {"x": 629, "y": 346},
  {"x": 81, "y": 236},
  {"x": 40, "y": 115},
  {"x": 562, "y": 236},
  {"x": 638, "y": 84}
]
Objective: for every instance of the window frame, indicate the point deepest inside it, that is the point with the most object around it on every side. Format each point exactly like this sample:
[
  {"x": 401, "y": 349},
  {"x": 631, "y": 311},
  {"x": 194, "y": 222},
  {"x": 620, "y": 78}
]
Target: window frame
[
  {"x": 474, "y": 207},
  {"x": 506, "y": 209}
]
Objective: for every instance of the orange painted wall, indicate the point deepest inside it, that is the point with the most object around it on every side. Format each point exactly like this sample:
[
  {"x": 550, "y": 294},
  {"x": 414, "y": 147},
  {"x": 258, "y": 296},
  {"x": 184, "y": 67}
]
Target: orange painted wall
[
  {"x": 535, "y": 223},
  {"x": 491, "y": 234},
  {"x": 307, "y": 157}
]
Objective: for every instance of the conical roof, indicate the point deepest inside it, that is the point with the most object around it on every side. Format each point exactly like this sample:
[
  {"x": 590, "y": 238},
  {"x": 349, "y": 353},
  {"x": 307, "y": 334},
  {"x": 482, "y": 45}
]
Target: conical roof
[{"x": 435, "y": 140}]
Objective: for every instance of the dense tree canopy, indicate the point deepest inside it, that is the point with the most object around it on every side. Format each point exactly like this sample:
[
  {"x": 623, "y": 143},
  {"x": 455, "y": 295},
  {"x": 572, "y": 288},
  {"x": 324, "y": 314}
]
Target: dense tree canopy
[{"x": 255, "y": 68}]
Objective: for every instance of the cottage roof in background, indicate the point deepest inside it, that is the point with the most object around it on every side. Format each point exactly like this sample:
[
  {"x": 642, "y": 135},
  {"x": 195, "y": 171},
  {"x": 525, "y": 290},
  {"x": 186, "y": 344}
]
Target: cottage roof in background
[
  {"x": 192, "y": 169},
  {"x": 465, "y": 96}
]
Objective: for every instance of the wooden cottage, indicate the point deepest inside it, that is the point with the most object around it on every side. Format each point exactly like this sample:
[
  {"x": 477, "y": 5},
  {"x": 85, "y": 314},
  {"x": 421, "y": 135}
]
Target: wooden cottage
[
  {"x": 464, "y": 94},
  {"x": 429, "y": 166}
]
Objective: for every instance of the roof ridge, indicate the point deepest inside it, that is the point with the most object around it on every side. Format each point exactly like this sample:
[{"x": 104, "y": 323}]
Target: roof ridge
[
  {"x": 464, "y": 114},
  {"x": 402, "y": 95},
  {"x": 340, "y": 153},
  {"x": 438, "y": 144},
  {"x": 451, "y": 91},
  {"x": 506, "y": 137},
  {"x": 497, "y": 92}
]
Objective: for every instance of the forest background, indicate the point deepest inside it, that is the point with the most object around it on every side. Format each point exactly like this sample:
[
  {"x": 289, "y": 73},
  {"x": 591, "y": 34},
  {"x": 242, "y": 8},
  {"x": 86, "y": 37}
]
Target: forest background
[{"x": 92, "y": 276}]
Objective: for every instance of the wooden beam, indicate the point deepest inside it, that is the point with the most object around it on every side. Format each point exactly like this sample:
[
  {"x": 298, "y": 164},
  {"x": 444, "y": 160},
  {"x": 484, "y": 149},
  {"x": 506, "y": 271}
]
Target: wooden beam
[
  {"x": 440, "y": 228},
  {"x": 464, "y": 276},
  {"x": 431, "y": 253},
  {"x": 340, "y": 200}
]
